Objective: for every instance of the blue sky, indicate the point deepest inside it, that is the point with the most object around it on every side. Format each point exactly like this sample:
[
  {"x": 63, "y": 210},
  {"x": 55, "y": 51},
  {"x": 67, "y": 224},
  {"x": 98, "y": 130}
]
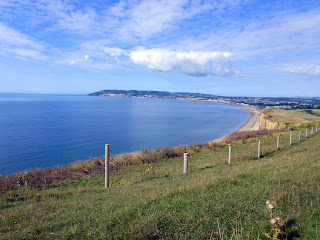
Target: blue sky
[{"x": 223, "y": 47}]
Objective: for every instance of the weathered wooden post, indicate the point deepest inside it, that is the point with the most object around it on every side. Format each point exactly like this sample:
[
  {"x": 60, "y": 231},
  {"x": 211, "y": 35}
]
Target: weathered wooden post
[
  {"x": 312, "y": 130},
  {"x": 259, "y": 148},
  {"x": 106, "y": 165},
  {"x": 290, "y": 141},
  {"x": 299, "y": 137},
  {"x": 185, "y": 162},
  {"x": 230, "y": 147},
  {"x": 306, "y": 132},
  {"x": 278, "y": 141},
  {"x": 316, "y": 128}
]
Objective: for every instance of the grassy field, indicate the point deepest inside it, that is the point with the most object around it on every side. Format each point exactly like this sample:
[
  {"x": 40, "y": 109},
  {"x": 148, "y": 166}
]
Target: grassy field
[
  {"x": 213, "y": 200},
  {"x": 293, "y": 117}
]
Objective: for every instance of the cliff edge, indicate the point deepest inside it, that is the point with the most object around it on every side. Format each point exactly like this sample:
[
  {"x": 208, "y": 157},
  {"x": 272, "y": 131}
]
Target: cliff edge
[{"x": 266, "y": 122}]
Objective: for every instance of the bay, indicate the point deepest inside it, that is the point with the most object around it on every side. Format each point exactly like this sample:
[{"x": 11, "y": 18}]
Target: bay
[{"x": 43, "y": 130}]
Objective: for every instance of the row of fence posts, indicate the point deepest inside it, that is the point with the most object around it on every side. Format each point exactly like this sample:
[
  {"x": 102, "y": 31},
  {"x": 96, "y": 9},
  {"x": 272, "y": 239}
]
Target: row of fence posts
[
  {"x": 186, "y": 156},
  {"x": 278, "y": 142}
]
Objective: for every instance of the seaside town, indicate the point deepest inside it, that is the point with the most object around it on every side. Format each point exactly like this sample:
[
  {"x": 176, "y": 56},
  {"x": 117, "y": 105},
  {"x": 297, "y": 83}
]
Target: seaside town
[{"x": 278, "y": 102}]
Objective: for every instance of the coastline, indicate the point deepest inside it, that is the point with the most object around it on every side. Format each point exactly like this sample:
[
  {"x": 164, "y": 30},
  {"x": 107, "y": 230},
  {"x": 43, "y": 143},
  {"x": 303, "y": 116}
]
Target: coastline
[{"x": 252, "y": 124}]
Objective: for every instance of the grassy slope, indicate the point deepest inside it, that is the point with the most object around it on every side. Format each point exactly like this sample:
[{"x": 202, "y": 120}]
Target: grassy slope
[
  {"x": 213, "y": 200},
  {"x": 293, "y": 118}
]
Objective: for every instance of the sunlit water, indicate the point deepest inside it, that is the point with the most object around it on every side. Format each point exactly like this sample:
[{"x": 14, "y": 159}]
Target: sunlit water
[{"x": 39, "y": 130}]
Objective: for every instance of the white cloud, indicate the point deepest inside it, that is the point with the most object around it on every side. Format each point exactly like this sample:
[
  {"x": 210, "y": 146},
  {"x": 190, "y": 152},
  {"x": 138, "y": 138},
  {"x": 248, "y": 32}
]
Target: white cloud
[
  {"x": 113, "y": 51},
  {"x": 305, "y": 69},
  {"x": 149, "y": 17},
  {"x": 21, "y": 45},
  {"x": 191, "y": 63},
  {"x": 266, "y": 37},
  {"x": 13, "y": 37},
  {"x": 196, "y": 63},
  {"x": 123, "y": 20}
]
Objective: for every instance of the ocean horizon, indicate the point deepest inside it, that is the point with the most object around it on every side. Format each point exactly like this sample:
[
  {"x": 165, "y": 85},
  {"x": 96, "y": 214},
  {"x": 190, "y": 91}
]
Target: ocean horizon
[{"x": 45, "y": 130}]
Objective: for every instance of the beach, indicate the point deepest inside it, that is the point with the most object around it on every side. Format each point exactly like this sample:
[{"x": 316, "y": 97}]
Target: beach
[{"x": 253, "y": 122}]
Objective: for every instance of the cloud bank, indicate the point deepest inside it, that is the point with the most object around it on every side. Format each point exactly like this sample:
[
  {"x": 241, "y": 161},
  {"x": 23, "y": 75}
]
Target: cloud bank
[
  {"x": 195, "y": 63},
  {"x": 191, "y": 63},
  {"x": 310, "y": 70}
]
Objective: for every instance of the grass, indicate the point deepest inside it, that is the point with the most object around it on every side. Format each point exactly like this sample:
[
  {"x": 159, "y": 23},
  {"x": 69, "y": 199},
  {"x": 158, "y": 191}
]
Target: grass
[
  {"x": 92, "y": 167},
  {"x": 293, "y": 117},
  {"x": 213, "y": 200}
]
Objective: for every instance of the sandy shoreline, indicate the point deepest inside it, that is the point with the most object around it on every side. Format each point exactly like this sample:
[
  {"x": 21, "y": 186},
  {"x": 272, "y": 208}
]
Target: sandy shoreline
[{"x": 252, "y": 124}]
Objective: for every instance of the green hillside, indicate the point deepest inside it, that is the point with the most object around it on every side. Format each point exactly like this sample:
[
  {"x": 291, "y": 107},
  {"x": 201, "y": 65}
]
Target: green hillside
[{"x": 213, "y": 200}]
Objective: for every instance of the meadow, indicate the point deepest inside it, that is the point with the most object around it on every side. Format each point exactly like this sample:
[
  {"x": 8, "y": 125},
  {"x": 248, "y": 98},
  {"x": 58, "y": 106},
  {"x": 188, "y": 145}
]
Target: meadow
[
  {"x": 214, "y": 200},
  {"x": 293, "y": 117}
]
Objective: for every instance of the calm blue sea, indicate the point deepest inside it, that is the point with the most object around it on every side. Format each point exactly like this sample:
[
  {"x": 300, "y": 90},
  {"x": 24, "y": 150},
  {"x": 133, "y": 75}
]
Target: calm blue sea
[{"x": 39, "y": 130}]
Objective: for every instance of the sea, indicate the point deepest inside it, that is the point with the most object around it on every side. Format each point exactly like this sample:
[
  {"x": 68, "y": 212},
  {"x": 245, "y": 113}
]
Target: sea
[{"x": 46, "y": 130}]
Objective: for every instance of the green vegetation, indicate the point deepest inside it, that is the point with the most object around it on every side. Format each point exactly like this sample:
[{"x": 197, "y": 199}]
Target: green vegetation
[
  {"x": 313, "y": 112},
  {"x": 92, "y": 167},
  {"x": 294, "y": 118},
  {"x": 213, "y": 200}
]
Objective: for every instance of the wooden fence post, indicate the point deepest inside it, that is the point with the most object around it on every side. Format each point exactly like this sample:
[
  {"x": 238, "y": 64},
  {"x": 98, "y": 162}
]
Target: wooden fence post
[
  {"x": 316, "y": 128},
  {"x": 278, "y": 141},
  {"x": 230, "y": 147},
  {"x": 299, "y": 137},
  {"x": 185, "y": 162},
  {"x": 312, "y": 130},
  {"x": 306, "y": 132},
  {"x": 106, "y": 165},
  {"x": 290, "y": 141},
  {"x": 259, "y": 148}
]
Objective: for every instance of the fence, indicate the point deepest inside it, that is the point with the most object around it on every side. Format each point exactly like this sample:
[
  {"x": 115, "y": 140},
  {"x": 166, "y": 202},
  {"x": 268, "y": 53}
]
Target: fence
[
  {"x": 240, "y": 151},
  {"x": 131, "y": 167}
]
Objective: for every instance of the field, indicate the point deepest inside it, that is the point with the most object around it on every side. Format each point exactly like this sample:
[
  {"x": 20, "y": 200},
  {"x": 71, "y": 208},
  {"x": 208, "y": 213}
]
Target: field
[
  {"x": 213, "y": 200},
  {"x": 293, "y": 118}
]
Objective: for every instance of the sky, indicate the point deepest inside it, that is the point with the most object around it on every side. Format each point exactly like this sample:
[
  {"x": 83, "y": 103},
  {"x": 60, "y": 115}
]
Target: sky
[{"x": 222, "y": 47}]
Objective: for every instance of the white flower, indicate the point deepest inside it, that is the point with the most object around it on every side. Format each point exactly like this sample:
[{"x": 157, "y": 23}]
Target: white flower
[
  {"x": 273, "y": 221},
  {"x": 269, "y": 204}
]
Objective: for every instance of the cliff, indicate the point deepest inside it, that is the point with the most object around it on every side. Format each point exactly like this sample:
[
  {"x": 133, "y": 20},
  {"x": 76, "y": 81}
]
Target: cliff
[{"x": 268, "y": 123}]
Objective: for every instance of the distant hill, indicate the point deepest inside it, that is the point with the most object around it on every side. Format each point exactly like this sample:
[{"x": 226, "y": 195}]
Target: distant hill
[
  {"x": 152, "y": 94},
  {"x": 279, "y": 102}
]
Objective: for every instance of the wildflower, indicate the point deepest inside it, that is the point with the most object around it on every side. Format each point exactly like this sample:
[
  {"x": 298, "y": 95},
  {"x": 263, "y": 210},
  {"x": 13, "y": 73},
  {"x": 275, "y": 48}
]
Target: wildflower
[
  {"x": 280, "y": 221},
  {"x": 270, "y": 204},
  {"x": 273, "y": 221}
]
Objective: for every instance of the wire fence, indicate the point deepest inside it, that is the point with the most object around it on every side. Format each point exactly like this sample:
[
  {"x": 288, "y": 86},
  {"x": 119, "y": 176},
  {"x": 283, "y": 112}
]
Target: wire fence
[
  {"x": 133, "y": 166},
  {"x": 249, "y": 149}
]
